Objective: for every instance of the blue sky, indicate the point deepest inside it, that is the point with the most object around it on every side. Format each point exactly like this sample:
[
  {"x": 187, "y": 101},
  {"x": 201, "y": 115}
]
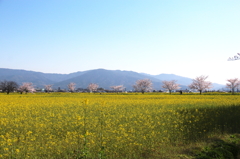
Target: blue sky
[{"x": 183, "y": 37}]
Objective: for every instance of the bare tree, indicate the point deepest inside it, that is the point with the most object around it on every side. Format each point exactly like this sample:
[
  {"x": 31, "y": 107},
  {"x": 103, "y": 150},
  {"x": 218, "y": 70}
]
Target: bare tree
[
  {"x": 117, "y": 88},
  {"x": 26, "y": 87},
  {"x": 200, "y": 84},
  {"x": 48, "y": 88},
  {"x": 170, "y": 85},
  {"x": 8, "y": 86},
  {"x": 92, "y": 87},
  {"x": 233, "y": 84},
  {"x": 71, "y": 86},
  {"x": 143, "y": 85}
]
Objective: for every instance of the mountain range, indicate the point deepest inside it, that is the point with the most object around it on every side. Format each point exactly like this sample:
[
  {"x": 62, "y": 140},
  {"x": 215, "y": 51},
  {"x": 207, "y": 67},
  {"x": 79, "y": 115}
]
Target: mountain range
[{"x": 104, "y": 78}]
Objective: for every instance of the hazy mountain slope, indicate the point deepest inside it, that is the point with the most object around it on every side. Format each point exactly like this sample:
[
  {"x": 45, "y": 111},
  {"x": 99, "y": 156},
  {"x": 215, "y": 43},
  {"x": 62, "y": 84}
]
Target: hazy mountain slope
[
  {"x": 39, "y": 79},
  {"x": 61, "y": 77},
  {"x": 182, "y": 80},
  {"x": 217, "y": 86},
  {"x": 107, "y": 78},
  {"x": 20, "y": 76}
]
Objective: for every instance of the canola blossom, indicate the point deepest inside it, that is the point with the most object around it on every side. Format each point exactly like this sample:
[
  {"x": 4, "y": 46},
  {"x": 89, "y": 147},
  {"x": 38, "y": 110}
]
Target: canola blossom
[{"x": 79, "y": 125}]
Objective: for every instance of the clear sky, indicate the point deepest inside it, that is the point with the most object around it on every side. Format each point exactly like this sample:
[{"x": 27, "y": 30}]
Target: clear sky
[{"x": 182, "y": 37}]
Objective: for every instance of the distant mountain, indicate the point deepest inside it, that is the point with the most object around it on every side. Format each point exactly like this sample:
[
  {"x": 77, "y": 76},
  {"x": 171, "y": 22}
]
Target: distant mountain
[
  {"x": 181, "y": 80},
  {"x": 104, "y": 78},
  {"x": 61, "y": 77},
  {"x": 39, "y": 79},
  {"x": 107, "y": 78},
  {"x": 21, "y": 76}
]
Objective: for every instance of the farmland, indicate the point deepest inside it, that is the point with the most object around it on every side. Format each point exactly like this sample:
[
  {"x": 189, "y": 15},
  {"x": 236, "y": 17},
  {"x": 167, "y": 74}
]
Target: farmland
[{"x": 88, "y": 125}]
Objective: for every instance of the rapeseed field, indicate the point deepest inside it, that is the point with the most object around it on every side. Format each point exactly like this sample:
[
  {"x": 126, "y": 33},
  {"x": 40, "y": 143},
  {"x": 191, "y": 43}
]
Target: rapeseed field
[{"x": 88, "y": 125}]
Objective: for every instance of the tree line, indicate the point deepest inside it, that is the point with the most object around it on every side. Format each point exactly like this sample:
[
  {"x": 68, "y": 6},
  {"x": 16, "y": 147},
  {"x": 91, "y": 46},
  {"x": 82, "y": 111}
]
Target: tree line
[
  {"x": 144, "y": 85},
  {"x": 199, "y": 83},
  {"x": 11, "y": 86}
]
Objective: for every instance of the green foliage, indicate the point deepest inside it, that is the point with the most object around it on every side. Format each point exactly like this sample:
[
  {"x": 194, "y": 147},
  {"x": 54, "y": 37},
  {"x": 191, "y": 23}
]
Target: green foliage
[{"x": 219, "y": 149}]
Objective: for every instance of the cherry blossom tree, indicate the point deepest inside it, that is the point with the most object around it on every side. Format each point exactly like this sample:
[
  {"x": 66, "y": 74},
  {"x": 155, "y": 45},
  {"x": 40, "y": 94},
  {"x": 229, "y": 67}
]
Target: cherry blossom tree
[
  {"x": 92, "y": 87},
  {"x": 200, "y": 83},
  {"x": 117, "y": 88},
  {"x": 233, "y": 84},
  {"x": 143, "y": 85},
  {"x": 71, "y": 86},
  {"x": 236, "y": 57},
  {"x": 170, "y": 85},
  {"x": 48, "y": 88},
  {"x": 26, "y": 87}
]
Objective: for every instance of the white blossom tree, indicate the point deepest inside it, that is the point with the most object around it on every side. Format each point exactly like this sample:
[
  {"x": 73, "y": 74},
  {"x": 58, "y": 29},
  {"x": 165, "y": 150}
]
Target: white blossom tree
[
  {"x": 71, "y": 87},
  {"x": 48, "y": 88},
  {"x": 170, "y": 85},
  {"x": 200, "y": 83},
  {"x": 143, "y": 85},
  {"x": 26, "y": 87},
  {"x": 93, "y": 87},
  {"x": 117, "y": 88},
  {"x": 233, "y": 84},
  {"x": 236, "y": 57}
]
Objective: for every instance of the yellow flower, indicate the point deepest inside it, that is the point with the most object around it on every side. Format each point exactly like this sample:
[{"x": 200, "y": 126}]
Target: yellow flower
[
  {"x": 86, "y": 101},
  {"x": 30, "y": 132}
]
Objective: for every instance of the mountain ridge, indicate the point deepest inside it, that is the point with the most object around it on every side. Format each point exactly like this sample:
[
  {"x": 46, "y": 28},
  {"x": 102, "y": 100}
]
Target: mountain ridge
[{"x": 104, "y": 78}]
